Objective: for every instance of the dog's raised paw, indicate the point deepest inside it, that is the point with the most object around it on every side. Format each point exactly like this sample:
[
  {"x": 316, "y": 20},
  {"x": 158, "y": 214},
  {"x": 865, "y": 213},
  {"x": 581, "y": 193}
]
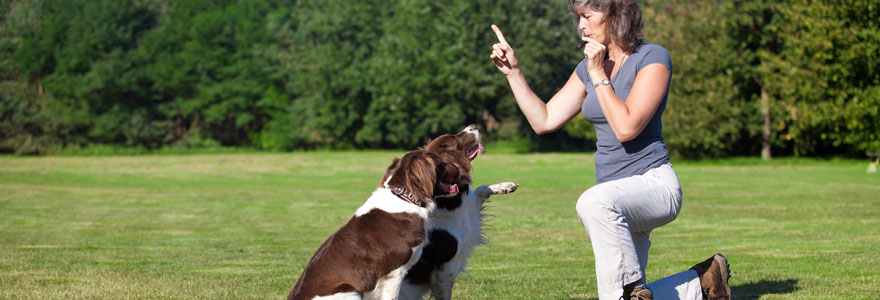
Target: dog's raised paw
[{"x": 503, "y": 188}]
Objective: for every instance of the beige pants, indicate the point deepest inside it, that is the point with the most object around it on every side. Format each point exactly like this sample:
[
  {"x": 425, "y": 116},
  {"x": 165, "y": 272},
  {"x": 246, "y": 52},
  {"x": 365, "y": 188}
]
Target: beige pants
[{"x": 619, "y": 216}]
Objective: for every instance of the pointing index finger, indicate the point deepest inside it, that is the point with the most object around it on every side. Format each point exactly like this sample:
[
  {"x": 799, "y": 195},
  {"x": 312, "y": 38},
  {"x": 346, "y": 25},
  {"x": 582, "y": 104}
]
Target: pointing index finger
[{"x": 499, "y": 34}]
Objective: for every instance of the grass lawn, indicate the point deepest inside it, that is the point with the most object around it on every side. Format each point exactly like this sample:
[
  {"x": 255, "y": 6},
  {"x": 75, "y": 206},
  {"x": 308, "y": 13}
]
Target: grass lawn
[{"x": 243, "y": 226}]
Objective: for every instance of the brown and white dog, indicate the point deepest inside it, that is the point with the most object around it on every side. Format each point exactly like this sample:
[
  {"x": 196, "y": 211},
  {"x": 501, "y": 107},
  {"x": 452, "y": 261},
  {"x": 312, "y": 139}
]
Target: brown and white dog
[
  {"x": 369, "y": 256},
  {"x": 457, "y": 224}
]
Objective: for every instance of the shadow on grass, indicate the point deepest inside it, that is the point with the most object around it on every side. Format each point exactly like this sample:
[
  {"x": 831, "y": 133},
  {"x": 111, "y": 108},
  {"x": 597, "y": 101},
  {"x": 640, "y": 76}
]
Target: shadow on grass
[
  {"x": 754, "y": 290},
  {"x": 757, "y": 289}
]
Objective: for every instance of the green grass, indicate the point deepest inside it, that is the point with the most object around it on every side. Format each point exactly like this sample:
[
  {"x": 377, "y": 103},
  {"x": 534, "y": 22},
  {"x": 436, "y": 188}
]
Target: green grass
[{"x": 243, "y": 226}]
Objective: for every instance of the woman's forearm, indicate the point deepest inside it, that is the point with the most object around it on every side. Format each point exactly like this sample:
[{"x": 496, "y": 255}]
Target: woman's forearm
[
  {"x": 616, "y": 113},
  {"x": 628, "y": 119},
  {"x": 531, "y": 105}
]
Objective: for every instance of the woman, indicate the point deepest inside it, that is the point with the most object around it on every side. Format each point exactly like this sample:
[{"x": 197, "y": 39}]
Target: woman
[{"x": 621, "y": 87}]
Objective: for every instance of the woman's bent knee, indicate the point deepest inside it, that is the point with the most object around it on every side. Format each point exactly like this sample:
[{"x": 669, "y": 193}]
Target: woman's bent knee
[{"x": 590, "y": 203}]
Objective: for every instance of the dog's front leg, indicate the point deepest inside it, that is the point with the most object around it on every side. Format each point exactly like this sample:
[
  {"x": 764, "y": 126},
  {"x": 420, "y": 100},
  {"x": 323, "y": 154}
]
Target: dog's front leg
[
  {"x": 389, "y": 285},
  {"x": 441, "y": 285},
  {"x": 483, "y": 192}
]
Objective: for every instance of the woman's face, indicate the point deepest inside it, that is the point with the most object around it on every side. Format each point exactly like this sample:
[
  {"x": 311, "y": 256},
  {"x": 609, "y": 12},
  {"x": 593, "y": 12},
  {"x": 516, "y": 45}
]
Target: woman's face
[{"x": 590, "y": 24}]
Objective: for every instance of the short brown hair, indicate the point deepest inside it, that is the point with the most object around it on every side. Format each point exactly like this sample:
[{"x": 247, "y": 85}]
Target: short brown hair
[{"x": 623, "y": 17}]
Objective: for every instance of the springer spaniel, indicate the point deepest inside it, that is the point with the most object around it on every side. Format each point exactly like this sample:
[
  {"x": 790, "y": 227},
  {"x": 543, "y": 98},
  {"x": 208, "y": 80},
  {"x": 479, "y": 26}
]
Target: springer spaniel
[
  {"x": 369, "y": 256},
  {"x": 457, "y": 225}
]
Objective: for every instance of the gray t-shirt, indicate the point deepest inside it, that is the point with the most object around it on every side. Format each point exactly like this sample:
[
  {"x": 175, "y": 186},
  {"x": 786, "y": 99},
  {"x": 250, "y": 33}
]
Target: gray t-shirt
[{"x": 615, "y": 160}]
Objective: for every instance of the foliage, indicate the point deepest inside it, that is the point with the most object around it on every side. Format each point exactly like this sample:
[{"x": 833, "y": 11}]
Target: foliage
[
  {"x": 390, "y": 74},
  {"x": 305, "y": 74},
  {"x": 26, "y": 121},
  {"x": 706, "y": 114},
  {"x": 152, "y": 73},
  {"x": 816, "y": 60},
  {"x": 824, "y": 73}
]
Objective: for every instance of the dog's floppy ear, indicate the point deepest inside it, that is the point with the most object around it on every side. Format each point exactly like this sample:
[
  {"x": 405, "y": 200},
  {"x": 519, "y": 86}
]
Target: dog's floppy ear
[{"x": 421, "y": 174}]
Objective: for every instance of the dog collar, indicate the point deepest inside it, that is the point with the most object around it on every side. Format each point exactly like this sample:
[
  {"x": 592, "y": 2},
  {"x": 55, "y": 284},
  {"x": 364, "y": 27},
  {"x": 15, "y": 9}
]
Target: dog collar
[{"x": 405, "y": 195}]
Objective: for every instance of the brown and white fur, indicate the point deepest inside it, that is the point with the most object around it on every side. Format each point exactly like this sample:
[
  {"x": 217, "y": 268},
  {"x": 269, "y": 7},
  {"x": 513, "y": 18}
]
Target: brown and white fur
[
  {"x": 457, "y": 224},
  {"x": 368, "y": 257}
]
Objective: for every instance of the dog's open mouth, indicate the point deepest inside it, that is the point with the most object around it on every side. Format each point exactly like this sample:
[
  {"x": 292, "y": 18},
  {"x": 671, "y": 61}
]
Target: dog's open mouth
[
  {"x": 476, "y": 150},
  {"x": 449, "y": 189}
]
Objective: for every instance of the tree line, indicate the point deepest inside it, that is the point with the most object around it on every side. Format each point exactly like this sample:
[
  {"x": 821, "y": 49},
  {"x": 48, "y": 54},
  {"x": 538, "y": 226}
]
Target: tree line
[{"x": 791, "y": 77}]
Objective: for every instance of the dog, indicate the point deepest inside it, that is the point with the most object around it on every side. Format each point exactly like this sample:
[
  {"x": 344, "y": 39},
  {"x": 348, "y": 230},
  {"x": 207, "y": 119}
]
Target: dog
[
  {"x": 457, "y": 224},
  {"x": 368, "y": 257}
]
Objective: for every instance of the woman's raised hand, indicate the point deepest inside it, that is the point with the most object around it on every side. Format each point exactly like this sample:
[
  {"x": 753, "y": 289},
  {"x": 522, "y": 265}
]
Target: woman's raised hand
[
  {"x": 502, "y": 54},
  {"x": 595, "y": 54}
]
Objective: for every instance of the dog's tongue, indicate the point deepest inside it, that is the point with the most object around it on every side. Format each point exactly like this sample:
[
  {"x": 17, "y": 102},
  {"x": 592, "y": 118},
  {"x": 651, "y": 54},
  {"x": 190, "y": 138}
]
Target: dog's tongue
[
  {"x": 476, "y": 150},
  {"x": 452, "y": 189}
]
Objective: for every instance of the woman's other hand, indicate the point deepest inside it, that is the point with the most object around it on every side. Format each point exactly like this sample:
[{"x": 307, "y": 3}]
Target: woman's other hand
[{"x": 502, "y": 54}]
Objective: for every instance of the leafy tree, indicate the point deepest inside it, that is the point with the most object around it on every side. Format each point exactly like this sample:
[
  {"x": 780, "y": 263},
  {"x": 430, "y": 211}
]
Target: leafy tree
[
  {"x": 28, "y": 125},
  {"x": 391, "y": 74},
  {"x": 797, "y": 76},
  {"x": 212, "y": 70},
  {"x": 326, "y": 46},
  {"x": 153, "y": 73},
  {"x": 77, "y": 54},
  {"x": 825, "y": 74}
]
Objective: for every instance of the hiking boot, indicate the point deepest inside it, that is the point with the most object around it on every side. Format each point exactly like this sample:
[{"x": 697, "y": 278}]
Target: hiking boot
[
  {"x": 636, "y": 291},
  {"x": 714, "y": 273},
  {"x": 641, "y": 293}
]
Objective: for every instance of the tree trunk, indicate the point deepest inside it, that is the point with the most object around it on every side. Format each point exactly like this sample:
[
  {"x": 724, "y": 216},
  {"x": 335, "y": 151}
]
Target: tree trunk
[{"x": 765, "y": 110}]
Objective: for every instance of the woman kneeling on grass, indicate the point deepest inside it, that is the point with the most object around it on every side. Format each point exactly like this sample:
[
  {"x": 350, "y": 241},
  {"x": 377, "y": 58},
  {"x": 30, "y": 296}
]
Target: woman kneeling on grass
[{"x": 621, "y": 87}]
